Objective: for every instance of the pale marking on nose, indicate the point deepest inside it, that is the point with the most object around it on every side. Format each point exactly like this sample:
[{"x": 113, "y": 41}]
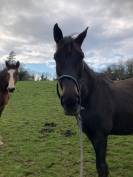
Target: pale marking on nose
[{"x": 11, "y": 79}]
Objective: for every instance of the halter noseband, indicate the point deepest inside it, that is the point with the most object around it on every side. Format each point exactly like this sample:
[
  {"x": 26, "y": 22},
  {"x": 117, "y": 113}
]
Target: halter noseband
[{"x": 70, "y": 78}]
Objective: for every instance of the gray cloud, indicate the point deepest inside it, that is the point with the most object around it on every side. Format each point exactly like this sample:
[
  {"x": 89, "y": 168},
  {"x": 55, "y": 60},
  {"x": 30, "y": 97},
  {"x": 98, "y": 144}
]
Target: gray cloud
[{"x": 26, "y": 27}]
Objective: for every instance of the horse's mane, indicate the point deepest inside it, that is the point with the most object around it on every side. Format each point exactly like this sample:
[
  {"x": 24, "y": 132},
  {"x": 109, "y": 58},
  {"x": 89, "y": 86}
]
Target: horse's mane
[
  {"x": 95, "y": 75},
  {"x": 2, "y": 79},
  {"x": 68, "y": 43},
  {"x": 2, "y": 73}
]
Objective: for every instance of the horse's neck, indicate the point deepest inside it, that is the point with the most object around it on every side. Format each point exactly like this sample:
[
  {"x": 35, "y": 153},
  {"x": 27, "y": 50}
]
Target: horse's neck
[
  {"x": 2, "y": 80},
  {"x": 2, "y": 73},
  {"x": 88, "y": 75},
  {"x": 87, "y": 82},
  {"x": 92, "y": 82}
]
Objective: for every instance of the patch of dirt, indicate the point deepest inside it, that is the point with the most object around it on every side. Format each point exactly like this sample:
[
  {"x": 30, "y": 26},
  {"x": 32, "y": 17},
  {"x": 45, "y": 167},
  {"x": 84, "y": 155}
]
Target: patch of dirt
[
  {"x": 48, "y": 128},
  {"x": 68, "y": 133},
  {"x": 25, "y": 162},
  {"x": 29, "y": 173},
  {"x": 50, "y": 166}
]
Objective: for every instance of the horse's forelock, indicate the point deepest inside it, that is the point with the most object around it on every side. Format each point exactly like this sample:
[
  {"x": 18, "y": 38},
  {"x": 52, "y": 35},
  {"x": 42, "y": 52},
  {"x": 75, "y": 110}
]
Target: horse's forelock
[{"x": 68, "y": 44}]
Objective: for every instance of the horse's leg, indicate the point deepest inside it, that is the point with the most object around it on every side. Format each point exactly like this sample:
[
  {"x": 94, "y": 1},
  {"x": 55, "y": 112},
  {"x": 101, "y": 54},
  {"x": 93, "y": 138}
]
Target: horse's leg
[{"x": 99, "y": 142}]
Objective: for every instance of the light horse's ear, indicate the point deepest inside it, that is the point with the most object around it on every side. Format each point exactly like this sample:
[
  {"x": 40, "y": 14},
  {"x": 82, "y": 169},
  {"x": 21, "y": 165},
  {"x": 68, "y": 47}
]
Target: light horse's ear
[
  {"x": 17, "y": 64},
  {"x": 57, "y": 33},
  {"x": 80, "y": 38}
]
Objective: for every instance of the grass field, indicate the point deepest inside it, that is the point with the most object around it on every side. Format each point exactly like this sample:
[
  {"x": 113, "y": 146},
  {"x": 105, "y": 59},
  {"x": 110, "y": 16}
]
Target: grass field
[{"x": 39, "y": 141}]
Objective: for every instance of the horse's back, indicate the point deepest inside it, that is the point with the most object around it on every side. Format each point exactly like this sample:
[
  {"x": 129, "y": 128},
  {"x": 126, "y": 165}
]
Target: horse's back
[
  {"x": 123, "y": 100},
  {"x": 121, "y": 84}
]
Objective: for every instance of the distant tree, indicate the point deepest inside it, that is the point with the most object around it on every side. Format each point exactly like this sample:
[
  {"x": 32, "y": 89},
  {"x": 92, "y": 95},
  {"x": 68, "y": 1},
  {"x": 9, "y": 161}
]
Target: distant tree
[
  {"x": 24, "y": 74},
  {"x": 11, "y": 56},
  {"x": 45, "y": 76},
  {"x": 129, "y": 68},
  {"x": 109, "y": 72},
  {"x": 121, "y": 71}
]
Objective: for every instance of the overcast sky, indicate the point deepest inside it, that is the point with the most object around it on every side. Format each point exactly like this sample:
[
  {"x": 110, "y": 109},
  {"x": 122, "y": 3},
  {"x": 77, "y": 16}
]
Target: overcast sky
[{"x": 26, "y": 27}]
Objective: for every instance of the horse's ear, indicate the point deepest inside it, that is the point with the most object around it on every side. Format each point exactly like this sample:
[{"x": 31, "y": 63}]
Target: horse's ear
[
  {"x": 57, "y": 33},
  {"x": 7, "y": 64},
  {"x": 80, "y": 38},
  {"x": 17, "y": 64}
]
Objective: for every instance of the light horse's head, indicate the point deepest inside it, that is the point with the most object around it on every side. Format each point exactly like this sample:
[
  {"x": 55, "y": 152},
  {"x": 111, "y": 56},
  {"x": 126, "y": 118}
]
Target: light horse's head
[
  {"x": 11, "y": 76},
  {"x": 69, "y": 67}
]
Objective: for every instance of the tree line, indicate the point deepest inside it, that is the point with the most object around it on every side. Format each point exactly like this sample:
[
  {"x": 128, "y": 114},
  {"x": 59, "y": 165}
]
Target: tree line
[
  {"x": 120, "y": 71},
  {"x": 24, "y": 74}
]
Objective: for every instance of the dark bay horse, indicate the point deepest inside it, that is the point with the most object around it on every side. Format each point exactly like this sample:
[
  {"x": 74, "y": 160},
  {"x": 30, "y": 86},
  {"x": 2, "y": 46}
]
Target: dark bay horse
[
  {"x": 108, "y": 105},
  {"x": 8, "y": 78}
]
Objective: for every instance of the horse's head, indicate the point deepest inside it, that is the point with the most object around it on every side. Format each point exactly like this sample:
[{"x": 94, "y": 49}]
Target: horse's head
[
  {"x": 11, "y": 74},
  {"x": 69, "y": 67}
]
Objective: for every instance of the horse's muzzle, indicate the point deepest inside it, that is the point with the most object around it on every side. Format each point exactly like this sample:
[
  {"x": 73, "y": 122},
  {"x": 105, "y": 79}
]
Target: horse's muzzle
[
  {"x": 71, "y": 106},
  {"x": 11, "y": 89}
]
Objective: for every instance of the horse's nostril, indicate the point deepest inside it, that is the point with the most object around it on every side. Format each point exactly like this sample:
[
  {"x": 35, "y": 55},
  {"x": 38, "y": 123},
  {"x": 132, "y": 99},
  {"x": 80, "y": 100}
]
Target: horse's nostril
[
  {"x": 69, "y": 102},
  {"x": 6, "y": 85},
  {"x": 11, "y": 89}
]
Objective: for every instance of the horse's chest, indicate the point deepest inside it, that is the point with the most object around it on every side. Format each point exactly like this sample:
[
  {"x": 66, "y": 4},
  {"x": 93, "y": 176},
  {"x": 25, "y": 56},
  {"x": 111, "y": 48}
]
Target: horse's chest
[
  {"x": 93, "y": 122},
  {"x": 4, "y": 99},
  {"x": 90, "y": 121}
]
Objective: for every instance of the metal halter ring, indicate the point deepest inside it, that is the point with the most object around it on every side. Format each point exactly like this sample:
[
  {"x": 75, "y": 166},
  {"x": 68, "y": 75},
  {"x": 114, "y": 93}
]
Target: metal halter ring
[{"x": 68, "y": 77}]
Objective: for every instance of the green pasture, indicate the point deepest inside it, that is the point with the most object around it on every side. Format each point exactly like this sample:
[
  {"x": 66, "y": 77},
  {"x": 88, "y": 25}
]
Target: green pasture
[{"x": 39, "y": 141}]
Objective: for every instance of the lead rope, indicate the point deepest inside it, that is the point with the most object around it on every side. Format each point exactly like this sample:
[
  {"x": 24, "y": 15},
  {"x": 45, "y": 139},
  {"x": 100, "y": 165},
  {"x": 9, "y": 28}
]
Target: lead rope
[
  {"x": 78, "y": 117},
  {"x": 79, "y": 121}
]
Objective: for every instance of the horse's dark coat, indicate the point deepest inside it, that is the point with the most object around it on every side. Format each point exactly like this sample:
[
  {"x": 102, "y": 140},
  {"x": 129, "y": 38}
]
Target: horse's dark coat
[
  {"x": 4, "y": 81},
  {"x": 108, "y": 105},
  {"x": 4, "y": 94}
]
